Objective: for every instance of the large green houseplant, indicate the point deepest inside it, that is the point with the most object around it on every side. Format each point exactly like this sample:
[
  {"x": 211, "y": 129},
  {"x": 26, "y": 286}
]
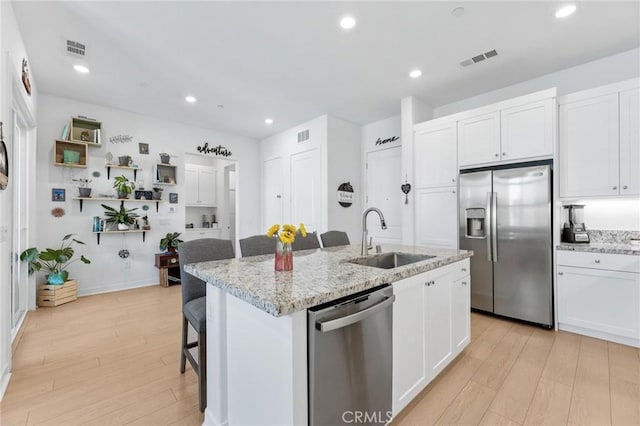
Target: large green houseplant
[
  {"x": 170, "y": 242},
  {"x": 122, "y": 217},
  {"x": 54, "y": 261},
  {"x": 123, "y": 186}
]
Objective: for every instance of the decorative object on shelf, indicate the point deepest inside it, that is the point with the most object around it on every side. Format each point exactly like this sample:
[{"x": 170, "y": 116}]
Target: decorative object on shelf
[
  {"x": 84, "y": 136},
  {"x": 143, "y": 148},
  {"x": 140, "y": 194},
  {"x": 109, "y": 157},
  {"x": 216, "y": 150},
  {"x": 345, "y": 194},
  {"x": 58, "y": 194},
  {"x": 157, "y": 193},
  {"x": 53, "y": 261},
  {"x": 165, "y": 158},
  {"x": 170, "y": 242},
  {"x": 123, "y": 186},
  {"x": 387, "y": 140},
  {"x": 57, "y": 212},
  {"x": 123, "y": 217},
  {"x": 121, "y": 139},
  {"x": 406, "y": 188},
  {"x": 65, "y": 132},
  {"x": 25, "y": 77},
  {"x": 124, "y": 160},
  {"x": 173, "y": 197},
  {"x": 70, "y": 157},
  {"x": 285, "y": 237},
  {"x": 83, "y": 187},
  {"x": 124, "y": 253},
  {"x": 145, "y": 219},
  {"x": 4, "y": 162},
  {"x": 96, "y": 174}
]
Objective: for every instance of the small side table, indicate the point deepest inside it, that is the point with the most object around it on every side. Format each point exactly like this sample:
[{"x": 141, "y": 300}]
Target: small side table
[{"x": 169, "y": 266}]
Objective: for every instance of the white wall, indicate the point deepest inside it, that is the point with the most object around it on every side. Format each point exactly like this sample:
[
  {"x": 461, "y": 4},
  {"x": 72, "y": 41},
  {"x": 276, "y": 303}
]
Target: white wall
[
  {"x": 610, "y": 69},
  {"x": 107, "y": 271}
]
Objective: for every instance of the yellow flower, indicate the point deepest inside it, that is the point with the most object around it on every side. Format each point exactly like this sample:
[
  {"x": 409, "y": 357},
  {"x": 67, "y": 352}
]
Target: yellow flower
[
  {"x": 287, "y": 237},
  {"x": 289, "y": 228},
  {"x": 303, "y": 230},
  {"x": 274, "y": 228}
]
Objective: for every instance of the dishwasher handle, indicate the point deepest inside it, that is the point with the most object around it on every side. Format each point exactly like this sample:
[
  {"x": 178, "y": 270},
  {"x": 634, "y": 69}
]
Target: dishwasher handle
[{"x": 353, "y": 318}]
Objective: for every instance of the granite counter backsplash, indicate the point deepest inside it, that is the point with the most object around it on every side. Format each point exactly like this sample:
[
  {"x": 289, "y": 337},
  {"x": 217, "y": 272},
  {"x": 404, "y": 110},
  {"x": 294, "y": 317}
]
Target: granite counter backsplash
[
  {"x": 606, "y": 241},
  {"x": 612, "y": 237}
]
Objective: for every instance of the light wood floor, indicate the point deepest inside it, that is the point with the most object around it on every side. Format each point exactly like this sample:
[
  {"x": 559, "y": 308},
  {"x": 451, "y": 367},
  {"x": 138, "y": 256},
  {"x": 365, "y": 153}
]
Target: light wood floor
[
  {"x": 113, "y": 359},
  {"x": 513, "y": 374},
  {"x": 104, "y": 359}
]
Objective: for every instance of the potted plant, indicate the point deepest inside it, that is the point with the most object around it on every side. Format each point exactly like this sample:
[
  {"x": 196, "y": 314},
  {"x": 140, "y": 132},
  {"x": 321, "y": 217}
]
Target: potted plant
[
  {"x": 124, "y": 186},
  {"x": 53, "y": 261},
  {"x": 170, "y": 242},
  {"x": 122, "y": 217},
  {"x": 157, "y": 193},
  {"x": 83, "y": 187},
  {"x": 145, "y": 223},
  {"x": 165, "y": 158}
]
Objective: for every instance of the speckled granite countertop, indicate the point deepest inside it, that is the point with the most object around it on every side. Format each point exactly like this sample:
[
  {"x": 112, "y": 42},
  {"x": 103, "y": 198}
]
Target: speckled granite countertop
[
  {"x": 619, "y": 248},
  {"x": 318, "y": 276}
]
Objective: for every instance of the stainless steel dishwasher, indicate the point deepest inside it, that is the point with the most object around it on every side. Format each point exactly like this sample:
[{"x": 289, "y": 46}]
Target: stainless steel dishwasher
[{"x": 350, "y": 359}]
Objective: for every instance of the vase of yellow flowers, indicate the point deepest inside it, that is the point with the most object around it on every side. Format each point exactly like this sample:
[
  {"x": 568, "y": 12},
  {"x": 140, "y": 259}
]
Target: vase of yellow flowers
[{"x": 285, "y": 236}]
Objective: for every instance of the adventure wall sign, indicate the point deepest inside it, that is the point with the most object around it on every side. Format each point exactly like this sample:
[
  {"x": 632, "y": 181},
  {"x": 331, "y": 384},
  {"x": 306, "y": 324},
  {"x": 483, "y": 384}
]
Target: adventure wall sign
[
  {"x": 381, "y": 141},
  {"x": 215, "y": 150}
]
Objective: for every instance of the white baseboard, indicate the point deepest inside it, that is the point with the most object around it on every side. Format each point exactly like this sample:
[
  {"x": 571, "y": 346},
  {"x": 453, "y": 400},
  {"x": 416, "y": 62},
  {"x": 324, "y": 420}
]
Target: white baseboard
[
  {"x": 600, "y": 335},
  {"x": 4, "y": 382},
  {"x": 115, "y": 287},
  {"x": 209, "y": 419}
]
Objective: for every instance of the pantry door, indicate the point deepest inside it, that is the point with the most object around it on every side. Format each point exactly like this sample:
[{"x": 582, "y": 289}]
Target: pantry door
[{"x": 384, "y": 178}]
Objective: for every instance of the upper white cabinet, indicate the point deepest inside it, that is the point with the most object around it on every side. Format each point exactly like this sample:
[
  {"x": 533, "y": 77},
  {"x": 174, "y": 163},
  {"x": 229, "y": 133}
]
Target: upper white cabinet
[
  {"x": 201, "y": 183},
  {"x": 630, "y": 142},
  {"x": 479, "y": 139},
  {"x": 527, "y": 130},
  {"x": 435, "y": 155},
  {"x": 437, "y": 217},
  {"x": 600, "y": 142}
]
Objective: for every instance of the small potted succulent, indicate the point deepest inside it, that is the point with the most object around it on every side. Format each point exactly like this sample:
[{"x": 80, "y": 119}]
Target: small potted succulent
[
  {"x": 122, "y": 217},
  {"x": 83, "y": 187},
  {"x": 123, "y": 186},
  {"x": 53, "y": 261},
  {"x": 165, "y": 158},
  {"x": 157, "y": 193},
  {"x": 170, "y": 242}
]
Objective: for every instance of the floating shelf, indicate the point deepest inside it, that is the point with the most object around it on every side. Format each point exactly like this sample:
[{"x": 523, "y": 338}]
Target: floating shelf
[
  {"x": 89, "y": 127},
  {"x": 115, "y": 166},
  {"x": 61, "y": 146},
  {"x": 129, "y": 231},
  {"x": 122, "y": 201},
  {"x": 165, "y": 174}
]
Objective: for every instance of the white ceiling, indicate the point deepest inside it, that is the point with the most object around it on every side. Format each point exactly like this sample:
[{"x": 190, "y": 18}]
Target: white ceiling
[{"x": 292, "y": 62}]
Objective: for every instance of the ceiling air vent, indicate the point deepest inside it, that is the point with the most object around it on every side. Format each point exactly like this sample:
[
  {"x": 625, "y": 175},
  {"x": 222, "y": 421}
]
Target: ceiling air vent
[
  {"x": 75, "y": 48},
  {"x": 479, "y": 58},
  {"x": 303, "y": 136}
]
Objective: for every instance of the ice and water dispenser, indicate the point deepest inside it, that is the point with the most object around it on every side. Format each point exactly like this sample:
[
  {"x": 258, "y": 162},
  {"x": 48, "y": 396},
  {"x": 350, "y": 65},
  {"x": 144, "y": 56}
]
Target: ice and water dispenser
[{"x": 476, "y": 223}]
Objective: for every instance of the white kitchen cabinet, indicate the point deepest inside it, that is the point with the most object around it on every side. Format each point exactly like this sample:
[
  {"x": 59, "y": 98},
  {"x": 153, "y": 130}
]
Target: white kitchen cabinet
[
  {"x": 435, "y": 155},
  {"x": 201, "y": 186},
  {"x": 630, "y": 142},
  {"x": 436, "y": 217},
  {"x": 197, "y": 233},
  {"x": 589, "y": 163},
  {"x": 527, "y": 131},
  {"x": 431, "y": 317},
  {"x": 599, "y": 300},
  {"x": 479, "y": 139}
]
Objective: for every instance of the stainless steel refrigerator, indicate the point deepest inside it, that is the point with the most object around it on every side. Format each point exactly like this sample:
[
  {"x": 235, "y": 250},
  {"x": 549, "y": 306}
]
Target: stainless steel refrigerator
[{"x": 505, "y": 218}]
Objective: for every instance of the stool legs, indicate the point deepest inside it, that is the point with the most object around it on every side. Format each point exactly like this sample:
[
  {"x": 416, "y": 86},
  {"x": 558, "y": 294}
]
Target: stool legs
[
  {"x": 183, "y": 357},
  {"x": 202, "y": 367}
]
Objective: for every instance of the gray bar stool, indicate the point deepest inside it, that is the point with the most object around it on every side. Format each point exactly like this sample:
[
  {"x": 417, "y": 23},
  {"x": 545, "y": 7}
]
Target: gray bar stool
[
  {"x": 305, "y": 243},
  {"x": 257, "y": 245},
  {"x": 334, "y": 238}
]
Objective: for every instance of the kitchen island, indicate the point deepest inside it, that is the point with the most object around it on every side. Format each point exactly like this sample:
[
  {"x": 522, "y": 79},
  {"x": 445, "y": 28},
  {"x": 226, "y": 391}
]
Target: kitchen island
[{"x": 257, "y": 325}]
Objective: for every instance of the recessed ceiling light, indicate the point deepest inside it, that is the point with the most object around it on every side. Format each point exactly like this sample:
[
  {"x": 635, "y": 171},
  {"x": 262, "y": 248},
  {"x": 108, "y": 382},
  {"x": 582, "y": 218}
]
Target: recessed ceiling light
[
  {"x": 268, "y": 120},
  {"x": 458, "y": 11},
  {"x": 81, "y": 69},
  {"x": 190, "y": 99},
  {"x": 565, "y": 11},
  {"x": 415, "y": 73},
  {"x": 347, "y": 22}
]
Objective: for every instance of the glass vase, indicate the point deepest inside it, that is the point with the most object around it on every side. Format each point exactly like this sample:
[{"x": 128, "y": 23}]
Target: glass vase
[{"x": 284, "y": 256}]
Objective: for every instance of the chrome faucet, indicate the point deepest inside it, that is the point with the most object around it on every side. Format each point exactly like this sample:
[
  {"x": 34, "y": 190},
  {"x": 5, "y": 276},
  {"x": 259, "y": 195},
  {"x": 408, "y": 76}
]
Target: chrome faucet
[{"x": 365, "y": 248}]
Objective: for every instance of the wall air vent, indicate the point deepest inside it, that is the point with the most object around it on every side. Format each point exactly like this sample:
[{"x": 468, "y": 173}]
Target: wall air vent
[
  {"x": 479, "y": 58},
  {"x": 303, "y": 136},
  {"x": 75, "y": 48}
]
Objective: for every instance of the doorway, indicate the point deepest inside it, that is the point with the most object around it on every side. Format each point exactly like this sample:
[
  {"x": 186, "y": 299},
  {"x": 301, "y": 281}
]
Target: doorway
[{"x": 383, "y": 180}]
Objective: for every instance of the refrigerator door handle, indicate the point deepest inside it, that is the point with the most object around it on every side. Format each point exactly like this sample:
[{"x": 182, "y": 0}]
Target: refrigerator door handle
[
  {"x": 494, "y": 226},
  {"x": 488, "y": 236}
]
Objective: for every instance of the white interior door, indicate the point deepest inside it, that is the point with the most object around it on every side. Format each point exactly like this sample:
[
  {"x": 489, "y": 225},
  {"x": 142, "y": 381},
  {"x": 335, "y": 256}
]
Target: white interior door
[
  {"x": 19, "y": 184},
  {"x": 272, "y": 192},
  {"x": 384, "y": 178},
  {"x": 305, "y": 189}
]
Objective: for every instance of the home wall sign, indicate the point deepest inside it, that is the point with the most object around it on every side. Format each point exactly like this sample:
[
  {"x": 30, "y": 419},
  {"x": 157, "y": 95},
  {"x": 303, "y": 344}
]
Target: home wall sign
[
  {"x": 345, "y": 194},
  {"x": 121, "y": 139},
  {"x": 381, "y": 141},
  {"x": 4, "y": 162},
  {"x": 215, "y": 150}
]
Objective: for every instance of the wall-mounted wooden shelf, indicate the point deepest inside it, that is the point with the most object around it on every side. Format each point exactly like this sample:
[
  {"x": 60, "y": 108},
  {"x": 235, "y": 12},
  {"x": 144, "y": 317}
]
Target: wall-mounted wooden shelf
[
  {"x": 61, "y": 146},
  {"x": 165, "y": 174},
  {"x": 129, "y": 231},
  {"x": 80, "y": 125},
  {"x": 115, "y": 166},
  {"x": 122, "y": 201}
]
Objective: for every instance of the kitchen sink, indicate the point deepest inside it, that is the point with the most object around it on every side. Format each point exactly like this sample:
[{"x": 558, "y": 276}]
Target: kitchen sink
[{"x": 390, "y": 260}]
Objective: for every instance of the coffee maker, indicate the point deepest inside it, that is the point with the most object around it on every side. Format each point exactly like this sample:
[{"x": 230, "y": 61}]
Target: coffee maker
[{"x": 574, "y": 230}]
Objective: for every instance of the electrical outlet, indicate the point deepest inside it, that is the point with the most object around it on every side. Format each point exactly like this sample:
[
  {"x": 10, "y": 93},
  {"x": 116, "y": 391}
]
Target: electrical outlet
[{"x": 172, "y": 209}]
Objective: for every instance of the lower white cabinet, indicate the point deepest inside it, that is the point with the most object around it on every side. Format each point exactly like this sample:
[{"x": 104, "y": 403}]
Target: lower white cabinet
[
  {"x": 431, "y": 318},
  {"x": 601, "y": 303},
  {"x": 197, "y": 233}
]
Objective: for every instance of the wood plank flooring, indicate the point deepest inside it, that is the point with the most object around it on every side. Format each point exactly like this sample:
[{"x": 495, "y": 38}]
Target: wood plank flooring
[
  {"x": 513, "y": 374},
  {"x": 109, "y": 359},
  {"x": 113, "y": 359}
]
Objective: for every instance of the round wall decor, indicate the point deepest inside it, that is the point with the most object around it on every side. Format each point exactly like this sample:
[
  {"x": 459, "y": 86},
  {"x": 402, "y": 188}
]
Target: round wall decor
[{"x": 345, "y": 194}]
